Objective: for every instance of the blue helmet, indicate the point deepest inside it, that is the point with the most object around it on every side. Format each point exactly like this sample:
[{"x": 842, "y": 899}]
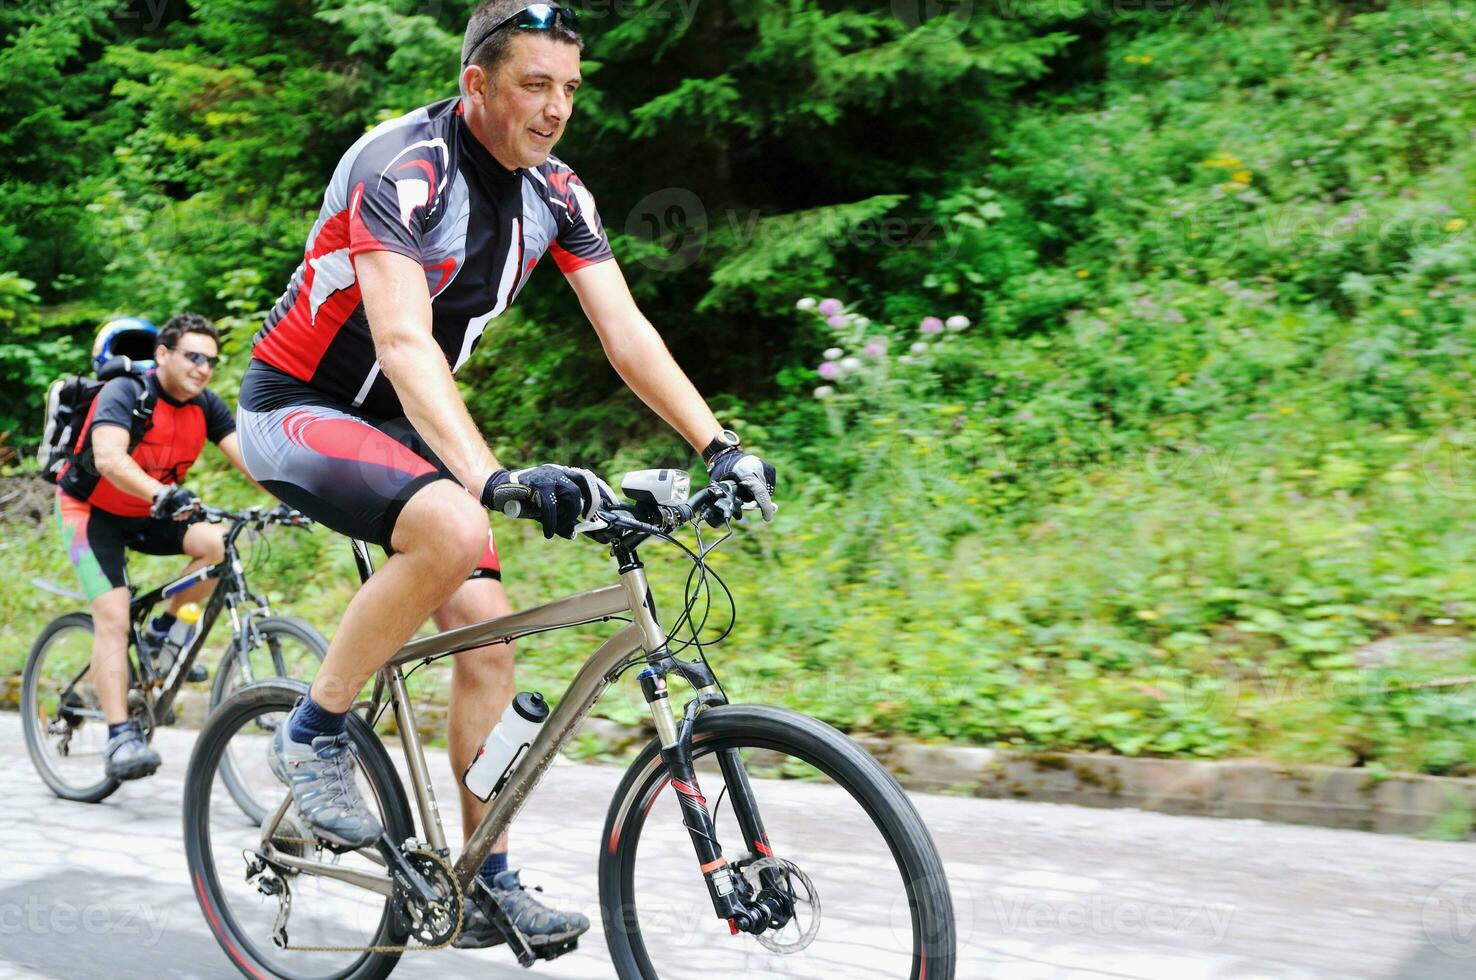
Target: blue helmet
[{"x": 127, "y": 336}]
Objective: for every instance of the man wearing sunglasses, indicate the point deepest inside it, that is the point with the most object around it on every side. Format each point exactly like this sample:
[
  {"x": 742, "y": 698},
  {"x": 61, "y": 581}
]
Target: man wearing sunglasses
[
  {"x": 430, "y": 226},
  {"x": 122, "y": 490}
]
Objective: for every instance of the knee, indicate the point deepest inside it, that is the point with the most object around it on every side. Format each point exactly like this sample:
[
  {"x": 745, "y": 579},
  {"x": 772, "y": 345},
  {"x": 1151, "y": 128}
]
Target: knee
[
  {"x": 206, "y": 541},
  {"x": 446, "y": 521},
  {"x": 110, "y": 616}
]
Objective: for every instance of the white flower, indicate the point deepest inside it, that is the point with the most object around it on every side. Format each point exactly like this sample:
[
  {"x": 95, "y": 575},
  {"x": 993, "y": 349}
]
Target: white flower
[
  {"x": 918, "y": 347},
  {"x": 850, "y": 363},
  {"x": 956, "y": 322},
  {"x": 824, "y": 391},
  {"x": 862, "y": 321},
  {"x": 905, "y": 359},
  {"x": 808, "y": 303},
  {"x": 834, "y": 353}
]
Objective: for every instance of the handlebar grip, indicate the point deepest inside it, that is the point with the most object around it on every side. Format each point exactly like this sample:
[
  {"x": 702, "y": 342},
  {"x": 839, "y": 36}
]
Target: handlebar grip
[{"x": 510, "y": 498}]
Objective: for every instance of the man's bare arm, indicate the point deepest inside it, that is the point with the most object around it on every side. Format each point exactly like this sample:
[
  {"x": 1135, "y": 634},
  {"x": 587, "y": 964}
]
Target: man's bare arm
[
  {"x": 639, "y": 355},
  {"x": 111, "y": 459},
  {"x": 398, "y": 305}
]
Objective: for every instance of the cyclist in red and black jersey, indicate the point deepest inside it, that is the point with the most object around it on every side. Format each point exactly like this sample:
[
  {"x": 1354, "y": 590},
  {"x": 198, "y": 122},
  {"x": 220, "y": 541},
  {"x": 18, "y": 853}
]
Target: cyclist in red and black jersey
[
  {"x": 119, "y": 493},
  {"x": 429, "y": 227}
]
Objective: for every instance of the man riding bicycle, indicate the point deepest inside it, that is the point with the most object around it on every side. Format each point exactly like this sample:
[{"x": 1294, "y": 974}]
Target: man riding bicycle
[
  {"x": 122, "y": 490},
  {"x": 430, "y": 225}
]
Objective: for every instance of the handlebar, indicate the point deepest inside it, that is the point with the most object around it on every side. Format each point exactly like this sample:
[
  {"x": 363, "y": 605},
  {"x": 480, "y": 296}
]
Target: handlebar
[{"x": 260, "y": 516}]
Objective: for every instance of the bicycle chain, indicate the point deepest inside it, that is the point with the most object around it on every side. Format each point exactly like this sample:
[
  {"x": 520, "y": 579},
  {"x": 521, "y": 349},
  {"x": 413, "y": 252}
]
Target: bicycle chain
[{"x": 420, "y": 948}]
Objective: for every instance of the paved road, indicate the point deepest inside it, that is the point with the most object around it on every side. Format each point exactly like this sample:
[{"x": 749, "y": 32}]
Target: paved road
[{"x": 1041, "y": 891}]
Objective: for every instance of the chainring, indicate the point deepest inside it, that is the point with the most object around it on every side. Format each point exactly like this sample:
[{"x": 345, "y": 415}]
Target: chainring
[{"x": 432, "y": 924}]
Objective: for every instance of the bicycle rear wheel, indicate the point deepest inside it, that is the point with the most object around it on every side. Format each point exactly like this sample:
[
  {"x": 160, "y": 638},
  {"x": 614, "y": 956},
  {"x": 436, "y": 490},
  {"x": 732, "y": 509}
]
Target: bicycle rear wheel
[
  {"x": 60, "y": 712},
  {"x": 867, "y": 886},
  {"x": 219, "y": 843},
  {"x": 283, "y": 646}
]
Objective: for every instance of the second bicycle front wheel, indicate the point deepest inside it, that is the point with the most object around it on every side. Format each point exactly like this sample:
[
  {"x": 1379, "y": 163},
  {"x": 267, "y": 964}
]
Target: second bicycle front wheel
[
  {"x": 281, "y": 646},
  {"x": 862, "y": 876}
]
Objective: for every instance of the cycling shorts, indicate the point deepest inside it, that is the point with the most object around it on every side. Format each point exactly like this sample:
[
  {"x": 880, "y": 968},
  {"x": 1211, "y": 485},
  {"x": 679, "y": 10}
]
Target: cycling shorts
[
  {"x": 344, "y": 469},
  {"x": 96, "y": 541}
]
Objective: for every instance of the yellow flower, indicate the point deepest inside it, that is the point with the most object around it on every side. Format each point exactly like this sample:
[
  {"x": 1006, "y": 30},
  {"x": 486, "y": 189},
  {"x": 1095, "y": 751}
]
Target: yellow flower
[
  {"x": 1241, "y": 176},
  {"x": 1147, "y": 59},
  {"x": 1131, "y": 59},
  {"x": 1455, "y": 224},
  {"x": 1288, "y": 410},
  {"x": 1147, "y": 615},
  {"x": 1083, "y": 273},
  {"x": 1409, "y": 312}
]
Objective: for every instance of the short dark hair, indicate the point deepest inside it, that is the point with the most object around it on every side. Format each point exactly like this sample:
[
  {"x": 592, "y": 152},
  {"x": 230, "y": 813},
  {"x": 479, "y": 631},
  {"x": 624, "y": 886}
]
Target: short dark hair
[
  {"x": 492, "y": 52},
  {"x": 183, "y": 323}
]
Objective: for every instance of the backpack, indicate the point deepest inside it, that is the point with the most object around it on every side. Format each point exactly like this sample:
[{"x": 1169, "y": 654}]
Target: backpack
[{"x": 68, "y": 401}]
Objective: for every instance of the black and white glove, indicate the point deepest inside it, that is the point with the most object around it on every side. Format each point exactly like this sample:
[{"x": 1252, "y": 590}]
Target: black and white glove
[
  {"x": 755, "y": 478},
  {"x": 174, "y": 501},
  {"x": 558, "y": 497}
]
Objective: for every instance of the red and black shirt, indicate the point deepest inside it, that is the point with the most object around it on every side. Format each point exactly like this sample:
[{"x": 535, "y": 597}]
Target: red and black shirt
[
  {"x": 172, "y": 441},
  {"x": 423, "y": 186}
]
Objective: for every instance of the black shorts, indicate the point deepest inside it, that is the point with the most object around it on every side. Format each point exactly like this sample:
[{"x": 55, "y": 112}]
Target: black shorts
[
  {"x": 96, "y": 541},
  {"x": 344, "y": 469}
]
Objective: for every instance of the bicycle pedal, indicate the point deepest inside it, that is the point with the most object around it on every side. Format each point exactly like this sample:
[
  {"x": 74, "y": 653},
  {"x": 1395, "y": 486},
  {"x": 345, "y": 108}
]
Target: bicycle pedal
[{"x": 553, "y": 951}]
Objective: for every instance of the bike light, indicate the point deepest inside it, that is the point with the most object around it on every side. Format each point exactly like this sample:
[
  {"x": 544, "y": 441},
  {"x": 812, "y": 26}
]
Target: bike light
[{"x": 660, "y": 487}]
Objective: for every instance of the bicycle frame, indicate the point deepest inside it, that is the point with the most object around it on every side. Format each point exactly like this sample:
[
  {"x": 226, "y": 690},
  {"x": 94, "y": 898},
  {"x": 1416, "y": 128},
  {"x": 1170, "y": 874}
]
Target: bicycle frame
[
  {"x": 232, "y": 596},
  {"x": 631, "y": 597}
]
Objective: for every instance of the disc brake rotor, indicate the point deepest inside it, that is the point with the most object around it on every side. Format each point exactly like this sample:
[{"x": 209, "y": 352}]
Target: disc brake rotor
[{"x": 799, "y": 892}]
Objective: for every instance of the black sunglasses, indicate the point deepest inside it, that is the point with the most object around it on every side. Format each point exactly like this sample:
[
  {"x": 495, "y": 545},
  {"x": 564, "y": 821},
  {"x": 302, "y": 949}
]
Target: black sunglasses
[
  {"x": 198, "y": 359},
  {"x": 534, "y": 17}
]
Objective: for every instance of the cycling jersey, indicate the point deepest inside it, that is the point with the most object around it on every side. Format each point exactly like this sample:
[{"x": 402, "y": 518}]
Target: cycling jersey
[
  {"x": 423, "y": 186},
  {"x": 170, "y": 445}
]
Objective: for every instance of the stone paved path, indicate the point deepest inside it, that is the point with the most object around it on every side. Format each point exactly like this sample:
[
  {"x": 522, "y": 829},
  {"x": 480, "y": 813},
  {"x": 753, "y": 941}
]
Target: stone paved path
[{"x": 1042, "y": 891}]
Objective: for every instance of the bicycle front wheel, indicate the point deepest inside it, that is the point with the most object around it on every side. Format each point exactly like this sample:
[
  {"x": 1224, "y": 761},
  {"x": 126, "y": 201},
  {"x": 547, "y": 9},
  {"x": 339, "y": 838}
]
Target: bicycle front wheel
[
  {"x": 281, "y": 646},
  {"x": 60, "y": 712},
  {"x": 841, "y": 839}
]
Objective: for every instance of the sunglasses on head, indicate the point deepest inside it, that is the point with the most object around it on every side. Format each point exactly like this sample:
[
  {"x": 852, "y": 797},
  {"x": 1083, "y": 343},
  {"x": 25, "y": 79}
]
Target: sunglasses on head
[
  {"x": 198, "y": 359},
  {"x": 534, "y": 17}
]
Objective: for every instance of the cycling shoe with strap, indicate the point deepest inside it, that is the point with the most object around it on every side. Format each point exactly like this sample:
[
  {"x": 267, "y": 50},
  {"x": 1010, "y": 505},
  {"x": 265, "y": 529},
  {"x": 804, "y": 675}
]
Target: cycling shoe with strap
[
  {"x": 539, "y": 924},
  {"x": 321, "y": 777},
  {"x": 128, "y": 756}
]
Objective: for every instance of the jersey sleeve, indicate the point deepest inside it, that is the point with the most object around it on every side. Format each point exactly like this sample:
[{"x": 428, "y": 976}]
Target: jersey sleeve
[
  {"x": 114, "y": 404},
  {"x": 219, "y": 422},
  {"x": 391, "y": 188},
  {"x": 581, "y": 240}
]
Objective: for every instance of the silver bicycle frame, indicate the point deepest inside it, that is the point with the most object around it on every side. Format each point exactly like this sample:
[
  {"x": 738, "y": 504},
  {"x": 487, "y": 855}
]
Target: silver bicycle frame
[{"x": 631, "y": 597}]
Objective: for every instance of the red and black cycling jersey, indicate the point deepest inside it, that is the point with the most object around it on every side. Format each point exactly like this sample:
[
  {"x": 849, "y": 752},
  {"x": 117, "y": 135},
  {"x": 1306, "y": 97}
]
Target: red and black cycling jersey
[
  {"x": 423, "y": 186},
  {"x": 171, "y": 443}
]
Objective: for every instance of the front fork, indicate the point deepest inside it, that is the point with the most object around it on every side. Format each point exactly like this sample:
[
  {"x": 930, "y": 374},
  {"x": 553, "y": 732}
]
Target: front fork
[
  {"x": 768, "y": 909},
  {"x": 753, "y": 915}
]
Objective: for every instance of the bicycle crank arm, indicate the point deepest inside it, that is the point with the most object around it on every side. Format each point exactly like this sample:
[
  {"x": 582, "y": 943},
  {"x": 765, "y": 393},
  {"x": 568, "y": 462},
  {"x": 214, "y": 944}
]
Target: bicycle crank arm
[{"x": 394, "y": 859}]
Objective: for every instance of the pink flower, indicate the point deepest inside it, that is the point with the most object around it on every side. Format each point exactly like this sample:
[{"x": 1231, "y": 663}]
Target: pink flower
[
  {"x": 873, "y": 349},
  {"x": 830, "y": 370},
  {"x": 830, "y": 306},
  {"x": 931, "y": 325},
  {"x": 837, "y": 321}
]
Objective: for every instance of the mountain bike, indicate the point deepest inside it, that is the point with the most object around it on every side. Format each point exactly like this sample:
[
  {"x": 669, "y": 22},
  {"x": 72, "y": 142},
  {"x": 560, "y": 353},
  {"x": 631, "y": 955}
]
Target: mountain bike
[
  {"x": 61, "y": 716},
  {"x": 809, "y": 815}
]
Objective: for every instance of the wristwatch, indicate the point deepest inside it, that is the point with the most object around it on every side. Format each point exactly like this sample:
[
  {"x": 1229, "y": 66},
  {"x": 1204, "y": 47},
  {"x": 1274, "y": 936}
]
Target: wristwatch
[{"x": 725, "y": 439}]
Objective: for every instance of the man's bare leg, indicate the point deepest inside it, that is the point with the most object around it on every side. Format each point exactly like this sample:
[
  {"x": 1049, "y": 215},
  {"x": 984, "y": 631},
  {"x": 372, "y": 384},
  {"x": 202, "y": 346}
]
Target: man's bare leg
[
  {"x": 438, "y": 539},
  {"x": 110, "y": 653},
  {"x": 481, "y": 687},
  {"x": 205, "y": 544}
]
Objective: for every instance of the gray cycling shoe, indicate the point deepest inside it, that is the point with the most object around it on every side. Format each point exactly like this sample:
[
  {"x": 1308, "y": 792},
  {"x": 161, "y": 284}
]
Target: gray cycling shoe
[
  {"x": 321, "y": 776},
  {"x": 128, "y": 756},
  {"x": 539, "y": 924}
]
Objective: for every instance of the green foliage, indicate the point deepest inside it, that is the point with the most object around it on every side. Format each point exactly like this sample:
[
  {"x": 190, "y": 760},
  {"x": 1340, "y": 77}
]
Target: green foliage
[{"x": 1204, "y": 437}]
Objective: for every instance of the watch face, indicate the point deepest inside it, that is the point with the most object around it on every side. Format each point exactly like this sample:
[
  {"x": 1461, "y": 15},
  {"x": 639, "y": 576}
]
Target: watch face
[{"x": 728, "y": 437}]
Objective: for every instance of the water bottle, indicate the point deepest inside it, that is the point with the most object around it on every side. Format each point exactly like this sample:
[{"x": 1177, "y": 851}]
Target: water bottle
[
  {"x": 178, "y": 636},
  {"x": 505, "y": 745}
]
